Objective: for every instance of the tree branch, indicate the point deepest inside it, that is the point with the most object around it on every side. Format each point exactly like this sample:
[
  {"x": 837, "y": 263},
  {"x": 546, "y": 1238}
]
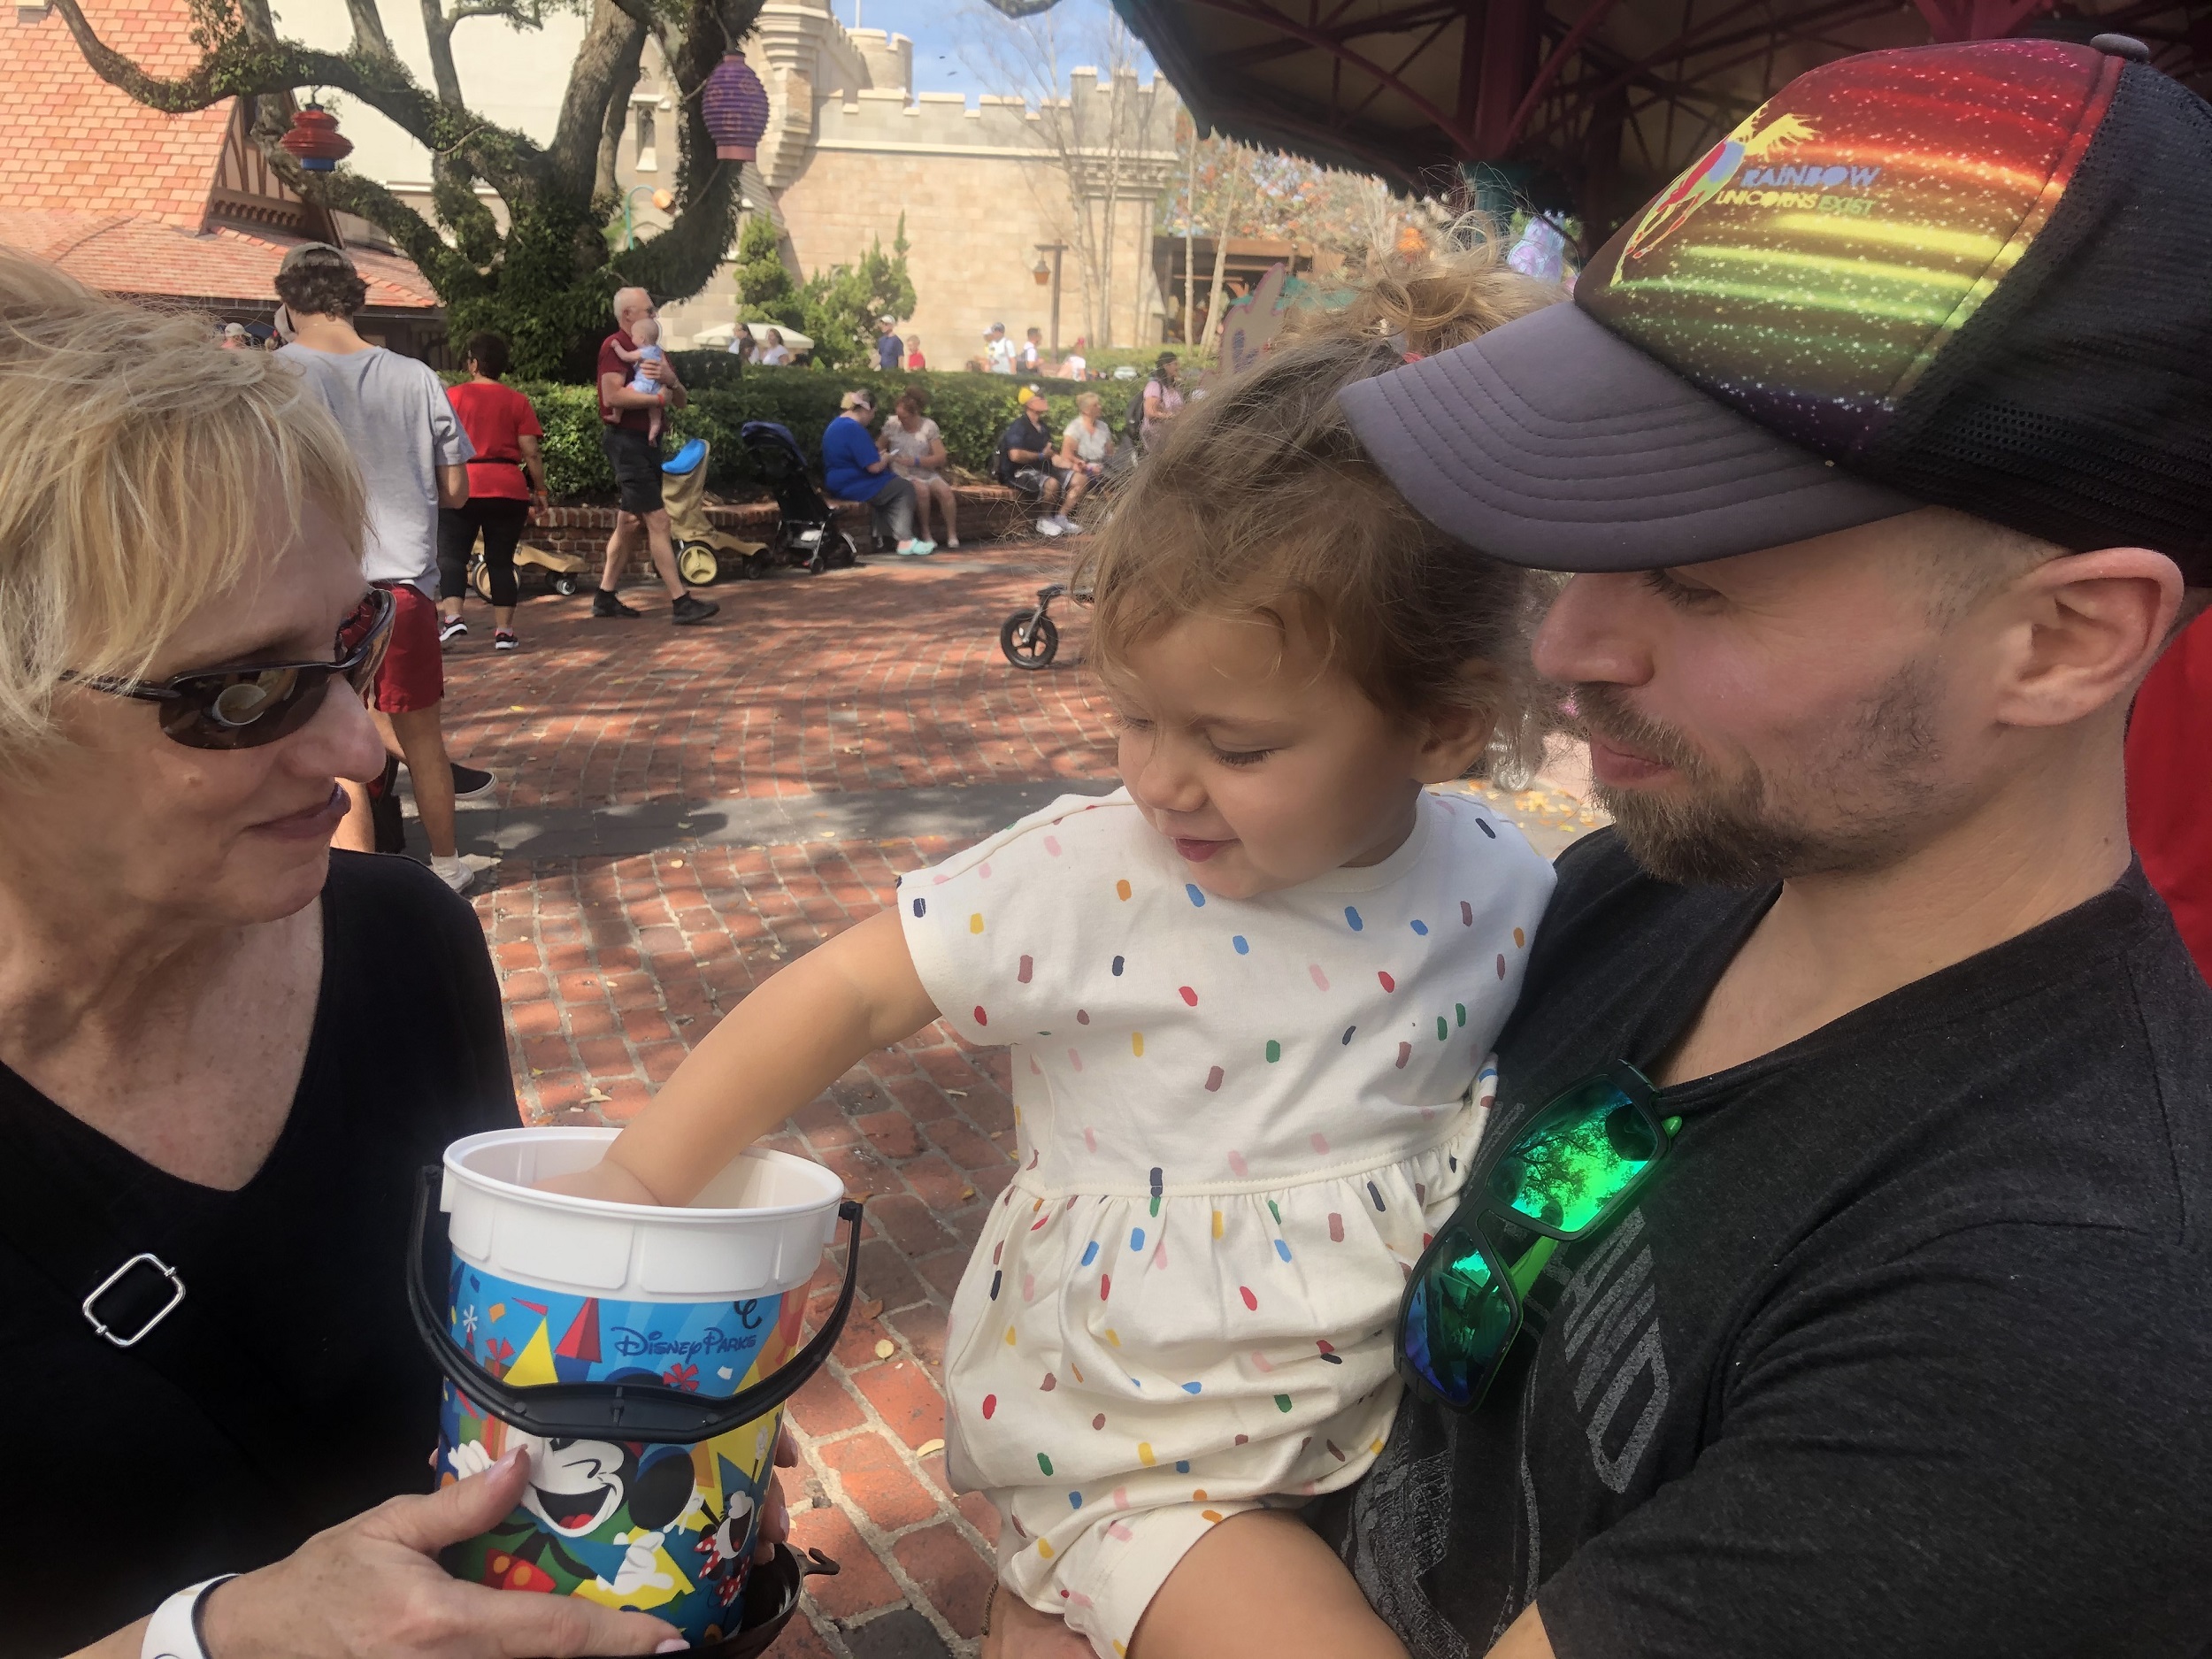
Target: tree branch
[
  {"x": 369, "y": 39},
  {"x": 682, "y": 259},
  {"x": 608, "y": 57},
  {"x": 350, "y": 193},
  {"x": 605, "y": 185},
  {"x": 234, "y": 66}
]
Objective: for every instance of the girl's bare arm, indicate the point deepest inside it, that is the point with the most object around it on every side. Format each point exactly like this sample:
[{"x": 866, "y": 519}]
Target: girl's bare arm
[{"x": 775, "y": 1051}]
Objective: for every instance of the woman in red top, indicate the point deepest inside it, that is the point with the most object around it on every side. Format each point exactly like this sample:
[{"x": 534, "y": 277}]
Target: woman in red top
[{"x": 504, "y": 429}]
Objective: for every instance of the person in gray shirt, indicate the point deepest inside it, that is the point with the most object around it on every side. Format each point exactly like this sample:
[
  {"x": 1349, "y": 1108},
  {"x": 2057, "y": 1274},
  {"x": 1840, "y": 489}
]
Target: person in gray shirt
[{"x": 411, "y": 452}]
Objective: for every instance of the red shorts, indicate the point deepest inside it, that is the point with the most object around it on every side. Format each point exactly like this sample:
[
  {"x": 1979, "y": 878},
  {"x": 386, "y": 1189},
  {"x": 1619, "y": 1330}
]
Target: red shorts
[{"x": 413, "y": 678}]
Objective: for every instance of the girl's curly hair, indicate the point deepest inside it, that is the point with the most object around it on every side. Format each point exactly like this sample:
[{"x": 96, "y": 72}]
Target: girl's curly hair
[{"x": 1260, "y": 500}]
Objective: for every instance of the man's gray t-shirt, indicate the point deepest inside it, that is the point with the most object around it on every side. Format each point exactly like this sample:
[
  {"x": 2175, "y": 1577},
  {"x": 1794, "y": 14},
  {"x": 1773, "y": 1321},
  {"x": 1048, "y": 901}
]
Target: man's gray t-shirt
[{"x": 401, "y": 430}]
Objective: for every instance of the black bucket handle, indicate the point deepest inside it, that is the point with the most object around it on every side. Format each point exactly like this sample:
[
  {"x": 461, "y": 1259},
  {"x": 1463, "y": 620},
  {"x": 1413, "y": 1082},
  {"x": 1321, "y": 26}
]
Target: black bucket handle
[{"x": 614, "y": 1411}]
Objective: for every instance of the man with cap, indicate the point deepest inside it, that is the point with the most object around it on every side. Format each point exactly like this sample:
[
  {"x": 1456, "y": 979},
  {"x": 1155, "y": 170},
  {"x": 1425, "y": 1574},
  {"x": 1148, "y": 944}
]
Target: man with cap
[
  {"x": 998, "y": 349},
  {"x": 1833, "y": 1276},
  {"x": 890, "y": 349}
]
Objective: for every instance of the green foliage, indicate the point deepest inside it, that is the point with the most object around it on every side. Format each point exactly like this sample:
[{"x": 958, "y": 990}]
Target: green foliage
[
  {"x": 765, "y": 292},
  {"x": 837, "y": 309},
  {"x": 971, "y": 410},
  {"x": 843, "y": 303}
]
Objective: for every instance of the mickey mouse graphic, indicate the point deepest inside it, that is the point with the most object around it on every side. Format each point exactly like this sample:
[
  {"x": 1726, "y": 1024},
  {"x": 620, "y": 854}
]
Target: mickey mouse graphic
[{"x": 555, "y": 1540}]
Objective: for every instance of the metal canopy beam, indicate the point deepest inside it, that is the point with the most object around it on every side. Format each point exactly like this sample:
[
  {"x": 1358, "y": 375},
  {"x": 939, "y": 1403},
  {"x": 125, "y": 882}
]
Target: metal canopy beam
[{"x": 1588, "y": 105}]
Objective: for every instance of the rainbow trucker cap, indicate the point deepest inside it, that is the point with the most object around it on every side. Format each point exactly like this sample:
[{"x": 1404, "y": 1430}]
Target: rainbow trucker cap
[{"x": 1978, "y": 276}]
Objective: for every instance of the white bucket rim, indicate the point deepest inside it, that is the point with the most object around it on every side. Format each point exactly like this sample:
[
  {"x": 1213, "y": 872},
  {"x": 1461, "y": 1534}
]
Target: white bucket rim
[{"x": 679, "y": 1215}]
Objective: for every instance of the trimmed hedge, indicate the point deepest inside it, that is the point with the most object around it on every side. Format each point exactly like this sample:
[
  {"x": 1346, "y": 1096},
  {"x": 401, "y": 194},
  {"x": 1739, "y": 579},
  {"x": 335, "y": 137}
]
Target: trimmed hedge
[{"x": 971, "y": 410}]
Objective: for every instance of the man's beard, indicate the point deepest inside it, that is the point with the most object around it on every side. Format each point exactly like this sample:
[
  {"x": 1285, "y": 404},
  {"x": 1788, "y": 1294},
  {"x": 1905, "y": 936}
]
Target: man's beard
[{"x": 1876, "y": 779}]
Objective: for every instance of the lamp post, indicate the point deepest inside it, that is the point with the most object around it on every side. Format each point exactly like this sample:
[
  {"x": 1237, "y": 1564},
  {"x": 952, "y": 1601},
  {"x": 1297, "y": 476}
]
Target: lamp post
[
  {"x": 1051, "y": 274},
  {"x": 660, "y": 199}
]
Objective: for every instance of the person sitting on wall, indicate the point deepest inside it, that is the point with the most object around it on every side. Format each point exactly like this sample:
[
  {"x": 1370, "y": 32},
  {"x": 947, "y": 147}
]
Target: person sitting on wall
[
  {"x": 1024, "y": 463},
  {"x": 854, "y": 469},
  {"x": 1084, "y": 448}
]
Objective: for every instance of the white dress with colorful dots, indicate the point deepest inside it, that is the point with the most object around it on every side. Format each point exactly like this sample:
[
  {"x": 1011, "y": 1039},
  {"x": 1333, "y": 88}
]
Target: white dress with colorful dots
[{"x": 1237, "y": 1121}]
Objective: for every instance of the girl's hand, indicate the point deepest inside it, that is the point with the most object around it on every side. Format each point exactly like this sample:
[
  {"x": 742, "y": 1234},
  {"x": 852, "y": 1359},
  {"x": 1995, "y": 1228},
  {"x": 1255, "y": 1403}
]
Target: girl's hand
[
  {"x": 605, "y": 1179},
  {"x": 775, "y": 1514},
  {"x": 373, "y": 1585}
]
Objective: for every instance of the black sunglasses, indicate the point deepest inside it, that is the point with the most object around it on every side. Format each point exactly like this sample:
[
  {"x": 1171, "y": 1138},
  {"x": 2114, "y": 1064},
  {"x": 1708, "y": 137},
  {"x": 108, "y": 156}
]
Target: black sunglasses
[
  {"x": 255, "y": 703},
  {"x": 1571, "y": 1171}
]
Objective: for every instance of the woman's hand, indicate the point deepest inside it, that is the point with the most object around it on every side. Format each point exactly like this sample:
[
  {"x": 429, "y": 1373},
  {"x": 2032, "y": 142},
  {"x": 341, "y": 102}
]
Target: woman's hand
[
  {"x": 775, "y": 1514},
  {"x": 880, "y": 463},
  {"x": 373, "y": 1585}
]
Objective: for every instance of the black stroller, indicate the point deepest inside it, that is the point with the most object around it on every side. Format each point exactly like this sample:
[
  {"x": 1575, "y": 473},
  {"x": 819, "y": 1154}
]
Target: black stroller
[{"x": 805, "y": 533}]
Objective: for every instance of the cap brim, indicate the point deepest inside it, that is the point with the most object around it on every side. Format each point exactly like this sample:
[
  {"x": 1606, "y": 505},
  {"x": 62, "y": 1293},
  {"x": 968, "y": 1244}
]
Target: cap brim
[{"x": 1551, "y": 443}]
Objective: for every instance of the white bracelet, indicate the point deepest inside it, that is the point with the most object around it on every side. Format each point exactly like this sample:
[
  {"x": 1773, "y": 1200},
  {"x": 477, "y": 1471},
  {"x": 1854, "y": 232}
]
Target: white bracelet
[{"x": 173, "y": 1632}]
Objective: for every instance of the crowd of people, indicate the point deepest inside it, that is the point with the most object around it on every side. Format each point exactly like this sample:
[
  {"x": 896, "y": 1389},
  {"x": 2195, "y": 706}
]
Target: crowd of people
[{"x": 1771, "y": 1228}]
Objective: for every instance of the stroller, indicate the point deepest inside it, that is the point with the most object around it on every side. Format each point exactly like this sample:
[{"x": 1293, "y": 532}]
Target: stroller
[
  {"x": 805, "y": 532},
  {"x": 702, "y": 552}
]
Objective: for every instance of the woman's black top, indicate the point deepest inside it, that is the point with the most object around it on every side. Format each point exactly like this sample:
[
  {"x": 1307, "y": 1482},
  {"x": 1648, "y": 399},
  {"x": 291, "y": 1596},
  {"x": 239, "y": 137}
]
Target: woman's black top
[{"x": 286, "y": 1390}]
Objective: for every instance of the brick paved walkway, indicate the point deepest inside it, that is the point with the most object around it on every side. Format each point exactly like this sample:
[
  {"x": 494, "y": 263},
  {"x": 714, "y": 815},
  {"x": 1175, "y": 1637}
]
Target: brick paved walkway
[{"x": 882, "y": 679}]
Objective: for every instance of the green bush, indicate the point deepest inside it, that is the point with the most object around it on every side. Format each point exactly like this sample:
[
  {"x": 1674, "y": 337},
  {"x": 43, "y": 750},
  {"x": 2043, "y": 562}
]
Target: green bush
[{"x": 971, "y": 410}]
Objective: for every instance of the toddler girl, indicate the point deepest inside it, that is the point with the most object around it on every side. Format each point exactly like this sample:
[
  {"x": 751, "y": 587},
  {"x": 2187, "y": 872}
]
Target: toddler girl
[
  {"x": 645, "y": 334},
  {"x": 1250, "y": 997}
]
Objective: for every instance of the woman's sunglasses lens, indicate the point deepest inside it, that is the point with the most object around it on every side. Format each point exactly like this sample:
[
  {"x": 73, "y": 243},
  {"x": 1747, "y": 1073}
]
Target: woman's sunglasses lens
[
  {"x": 243, "y": 710},
  {"x": 1458, "y": 1319},
  {"x": 1581, "y": 1152}
]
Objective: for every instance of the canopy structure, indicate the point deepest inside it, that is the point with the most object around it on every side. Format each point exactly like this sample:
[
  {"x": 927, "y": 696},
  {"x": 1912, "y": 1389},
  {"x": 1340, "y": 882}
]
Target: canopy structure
[{"x": 1583, "y": 107}]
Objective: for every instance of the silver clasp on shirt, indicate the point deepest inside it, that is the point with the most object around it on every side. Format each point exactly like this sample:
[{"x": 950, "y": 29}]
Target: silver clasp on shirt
[{"x": 144, "y": 1258}]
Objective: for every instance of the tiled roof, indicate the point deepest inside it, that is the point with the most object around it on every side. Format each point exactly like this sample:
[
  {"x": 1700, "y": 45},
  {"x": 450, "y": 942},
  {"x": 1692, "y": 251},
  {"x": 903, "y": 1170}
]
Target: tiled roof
[
  {"x": 117, "y": 194},
  {"x": 69, "y": 139},
  {"x": 142, "y": 253}
]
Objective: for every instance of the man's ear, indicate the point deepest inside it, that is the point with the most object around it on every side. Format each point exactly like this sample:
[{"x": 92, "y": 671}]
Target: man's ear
[
  {"x": 2084, "y": 629},
  {"x": 1459, "y": 733}
]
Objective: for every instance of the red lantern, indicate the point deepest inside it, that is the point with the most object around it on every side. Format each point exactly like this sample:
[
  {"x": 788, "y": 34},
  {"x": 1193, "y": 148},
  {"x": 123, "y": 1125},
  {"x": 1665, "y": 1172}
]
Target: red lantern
[
  {"x": 315, "y": 141},
  {"x": 735, "y": 105}
]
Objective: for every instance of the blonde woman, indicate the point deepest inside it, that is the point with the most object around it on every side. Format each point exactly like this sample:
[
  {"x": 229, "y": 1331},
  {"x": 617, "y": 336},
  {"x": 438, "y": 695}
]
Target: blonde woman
[
  {"x": 916, "y": 449},
  {"x": 1084, "y": 448},
  {"x": 225, "y": 1049}
]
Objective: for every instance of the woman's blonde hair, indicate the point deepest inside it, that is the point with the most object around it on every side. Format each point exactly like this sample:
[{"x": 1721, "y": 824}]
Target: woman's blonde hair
[
  {"x": 853, "y": 399},
  {"x": 1088, "y": 402},
  {"x": 1259, "y": 501},
  {"x": 141, "y": 466}
]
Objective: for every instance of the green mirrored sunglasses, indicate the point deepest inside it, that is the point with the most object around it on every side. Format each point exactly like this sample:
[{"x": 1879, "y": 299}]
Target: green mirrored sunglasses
[{"x": 1568, "y": 1171}]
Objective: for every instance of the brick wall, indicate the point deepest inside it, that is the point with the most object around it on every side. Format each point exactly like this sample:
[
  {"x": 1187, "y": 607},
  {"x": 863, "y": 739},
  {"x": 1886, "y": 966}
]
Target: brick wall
[{"x": 987, "y": 511}]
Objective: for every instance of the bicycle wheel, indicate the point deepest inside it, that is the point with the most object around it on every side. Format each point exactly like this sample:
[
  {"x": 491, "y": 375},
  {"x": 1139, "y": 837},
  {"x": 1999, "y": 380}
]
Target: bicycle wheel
[
  {"x": 1037, "y": 650},
  {"x": 480, "y": 577}
]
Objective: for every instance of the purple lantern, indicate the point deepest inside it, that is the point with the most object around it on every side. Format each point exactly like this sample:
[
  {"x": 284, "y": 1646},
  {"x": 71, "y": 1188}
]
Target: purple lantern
[{"x": 736, "y": 109}]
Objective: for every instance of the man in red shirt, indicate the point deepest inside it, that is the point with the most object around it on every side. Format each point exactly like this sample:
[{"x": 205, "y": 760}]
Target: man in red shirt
[
  {"x": 2170, "y": 784},
  {"x": 625, "y": 433}
]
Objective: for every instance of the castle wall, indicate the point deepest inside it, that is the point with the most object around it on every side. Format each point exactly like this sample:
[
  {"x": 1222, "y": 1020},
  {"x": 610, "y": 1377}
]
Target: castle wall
[{"x": 980, "y": 188}]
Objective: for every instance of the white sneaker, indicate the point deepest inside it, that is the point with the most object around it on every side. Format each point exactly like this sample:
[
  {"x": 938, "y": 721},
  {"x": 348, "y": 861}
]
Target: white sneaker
[
  {"x": 953, "y": 542},
  {"x": 1068, "y": 526},
  {"x": 460, "y": 873},
  {"x": 1048, "y": 526}
]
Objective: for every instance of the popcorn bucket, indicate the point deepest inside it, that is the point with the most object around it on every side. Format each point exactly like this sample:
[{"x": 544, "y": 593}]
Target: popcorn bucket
[{"x": 643, "y": 1356}]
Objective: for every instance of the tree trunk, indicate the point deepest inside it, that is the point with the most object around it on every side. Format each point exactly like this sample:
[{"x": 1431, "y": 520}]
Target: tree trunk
[
  {"x": 1190, "y": 257},
  {"x": 1232, "y": 199},
  {"x": 605, "y": 184}
]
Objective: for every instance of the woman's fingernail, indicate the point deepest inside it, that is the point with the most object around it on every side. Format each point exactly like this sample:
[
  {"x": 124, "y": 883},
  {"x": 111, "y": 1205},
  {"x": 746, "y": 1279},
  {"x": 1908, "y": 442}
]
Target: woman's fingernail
[
  {"x": 675, "y": 1644},
  {"x": 508, "y": 1459}
]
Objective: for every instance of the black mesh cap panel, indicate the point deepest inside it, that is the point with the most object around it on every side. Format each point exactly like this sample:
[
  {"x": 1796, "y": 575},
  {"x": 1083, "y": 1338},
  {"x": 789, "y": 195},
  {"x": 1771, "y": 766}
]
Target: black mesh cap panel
[{"x": 2077, "y": 404}]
